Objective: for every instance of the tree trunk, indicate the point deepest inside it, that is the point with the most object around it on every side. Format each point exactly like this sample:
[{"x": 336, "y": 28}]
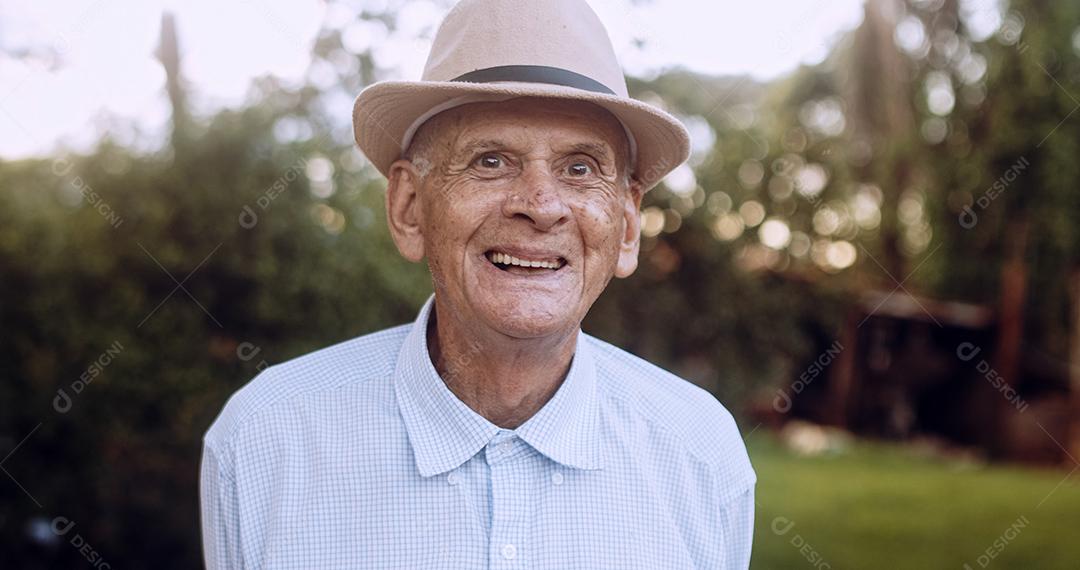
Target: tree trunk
[
  {"x": 1014, "y": 280},
  {"x": 1073, "y": 443}
]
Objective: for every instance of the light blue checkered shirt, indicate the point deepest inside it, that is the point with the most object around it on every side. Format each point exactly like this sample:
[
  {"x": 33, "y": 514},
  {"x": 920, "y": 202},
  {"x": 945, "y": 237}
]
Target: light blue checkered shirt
[{"x": 359, "y": 456}]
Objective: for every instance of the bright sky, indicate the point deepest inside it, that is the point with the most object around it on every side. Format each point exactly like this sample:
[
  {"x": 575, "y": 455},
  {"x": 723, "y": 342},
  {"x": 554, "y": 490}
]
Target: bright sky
[{"x": 103, "y": 63}]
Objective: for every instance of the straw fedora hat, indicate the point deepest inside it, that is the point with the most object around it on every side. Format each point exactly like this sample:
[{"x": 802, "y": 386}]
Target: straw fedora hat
[{"x": 494, "y": 50}]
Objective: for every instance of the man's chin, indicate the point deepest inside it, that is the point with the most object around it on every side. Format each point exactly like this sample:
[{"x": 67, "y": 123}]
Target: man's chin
[{"x": 527, "y": 320}]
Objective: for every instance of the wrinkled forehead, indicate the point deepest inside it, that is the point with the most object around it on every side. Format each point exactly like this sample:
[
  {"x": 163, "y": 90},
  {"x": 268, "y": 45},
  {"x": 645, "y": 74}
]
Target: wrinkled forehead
[{"x": 579, "y": 122}]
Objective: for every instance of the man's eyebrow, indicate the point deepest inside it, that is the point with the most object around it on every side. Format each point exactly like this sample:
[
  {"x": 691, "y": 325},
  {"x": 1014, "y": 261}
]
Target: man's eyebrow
[
  {"x": 595, "y": 149},
  {"x": 474, "y": 146}
]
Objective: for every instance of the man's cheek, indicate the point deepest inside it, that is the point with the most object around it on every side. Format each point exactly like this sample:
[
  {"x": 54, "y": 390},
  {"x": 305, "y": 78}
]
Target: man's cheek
[
  {"x": 606, "y": 236},
  {"x": 464, "y": 211}
]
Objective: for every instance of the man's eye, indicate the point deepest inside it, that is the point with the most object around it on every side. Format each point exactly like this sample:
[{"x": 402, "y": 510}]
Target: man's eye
[
  {"x": 580, "y": 169},
  {"x": 490, "y": 161}
]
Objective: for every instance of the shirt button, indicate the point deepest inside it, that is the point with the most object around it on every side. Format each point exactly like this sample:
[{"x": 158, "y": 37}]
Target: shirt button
[
  {"x": 556, "y": 478},
  {"x": 453, "y": 478},
  {"x": 509, "y": 551}
]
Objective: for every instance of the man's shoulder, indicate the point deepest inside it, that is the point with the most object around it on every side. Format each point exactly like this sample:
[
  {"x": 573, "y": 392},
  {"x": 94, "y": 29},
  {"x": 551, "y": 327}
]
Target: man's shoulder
[
  {"x": 668, "y": 402},
  {"x": 356, "y": 360}
]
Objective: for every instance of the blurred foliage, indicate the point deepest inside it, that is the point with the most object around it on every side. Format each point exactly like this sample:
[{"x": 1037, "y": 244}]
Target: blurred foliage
[
  {"x": 311, "y": 271},
  {"x": 258, "y": 235}
]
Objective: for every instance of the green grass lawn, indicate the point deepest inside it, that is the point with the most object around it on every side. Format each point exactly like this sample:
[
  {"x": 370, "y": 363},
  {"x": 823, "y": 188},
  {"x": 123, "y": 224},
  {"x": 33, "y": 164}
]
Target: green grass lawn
[{"x": 882, "y": 506}]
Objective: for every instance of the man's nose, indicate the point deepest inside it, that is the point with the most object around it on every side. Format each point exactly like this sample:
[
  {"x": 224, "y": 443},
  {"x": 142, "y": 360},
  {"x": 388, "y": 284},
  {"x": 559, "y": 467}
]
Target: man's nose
[{"x": 537, "y": 197}]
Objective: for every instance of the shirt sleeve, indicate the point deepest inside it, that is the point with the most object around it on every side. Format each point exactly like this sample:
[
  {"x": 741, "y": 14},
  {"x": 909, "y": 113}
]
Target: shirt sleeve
[
  {"x": 737, "y": 517},
  {"x": 219, "y": 514}
]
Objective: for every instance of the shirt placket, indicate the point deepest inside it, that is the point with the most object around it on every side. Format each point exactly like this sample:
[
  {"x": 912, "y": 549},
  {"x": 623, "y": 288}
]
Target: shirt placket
[{"x": 507, "y": 545}]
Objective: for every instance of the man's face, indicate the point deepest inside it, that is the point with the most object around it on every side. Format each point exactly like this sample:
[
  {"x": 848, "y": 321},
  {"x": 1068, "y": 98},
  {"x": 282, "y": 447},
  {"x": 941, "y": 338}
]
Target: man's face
[{"x": 526, "y": 213}]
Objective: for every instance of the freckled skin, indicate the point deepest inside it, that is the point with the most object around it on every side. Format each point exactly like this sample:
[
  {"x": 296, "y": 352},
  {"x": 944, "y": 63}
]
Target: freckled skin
[{"x": 550, "y": 177}]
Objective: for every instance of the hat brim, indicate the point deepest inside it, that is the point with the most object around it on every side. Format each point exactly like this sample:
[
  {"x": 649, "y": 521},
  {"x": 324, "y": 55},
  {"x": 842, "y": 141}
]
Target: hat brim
[{"x": 384, "y": 111}]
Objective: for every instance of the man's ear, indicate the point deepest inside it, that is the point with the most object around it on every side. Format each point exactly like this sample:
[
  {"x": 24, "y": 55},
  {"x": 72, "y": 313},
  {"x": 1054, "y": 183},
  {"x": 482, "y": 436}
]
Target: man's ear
[
  {"x": 403, "y": 210},
  {"x": 631, "y": 236}
]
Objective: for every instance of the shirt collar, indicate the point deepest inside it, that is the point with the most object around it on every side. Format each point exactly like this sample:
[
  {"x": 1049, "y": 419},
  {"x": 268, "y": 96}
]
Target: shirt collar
[{"x": 444, "y": 432}]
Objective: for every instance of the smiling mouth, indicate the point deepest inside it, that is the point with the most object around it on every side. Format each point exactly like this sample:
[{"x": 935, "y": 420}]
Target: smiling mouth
[{"x": 524, "y": 266}]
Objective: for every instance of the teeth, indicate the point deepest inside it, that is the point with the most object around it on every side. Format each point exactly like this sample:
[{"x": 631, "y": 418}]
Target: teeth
[{"x": 507, "y": 259}]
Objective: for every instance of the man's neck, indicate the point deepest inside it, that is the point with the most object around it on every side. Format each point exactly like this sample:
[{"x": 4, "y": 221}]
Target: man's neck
[{"x": 505, "y": 380}]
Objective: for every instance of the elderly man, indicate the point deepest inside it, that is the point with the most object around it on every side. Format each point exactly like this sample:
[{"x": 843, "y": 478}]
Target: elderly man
[{"x": 491, "y": 432}]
